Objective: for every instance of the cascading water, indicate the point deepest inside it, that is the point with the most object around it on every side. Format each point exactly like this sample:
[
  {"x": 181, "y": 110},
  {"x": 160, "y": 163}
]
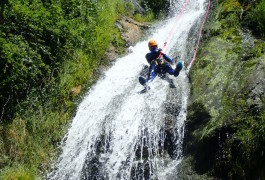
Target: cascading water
[{"x": 118, "y": 133}]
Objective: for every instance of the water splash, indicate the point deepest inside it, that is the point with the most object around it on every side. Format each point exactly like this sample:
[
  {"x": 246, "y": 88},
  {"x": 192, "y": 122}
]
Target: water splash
[{"x": 118, "y": 133}]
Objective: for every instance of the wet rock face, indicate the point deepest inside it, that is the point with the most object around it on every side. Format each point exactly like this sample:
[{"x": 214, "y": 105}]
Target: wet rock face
[
  {"x": 256, "y": 84},
  {"x": 148, "y": 147},
  {"x": 223, "y": 132},
  {"x": 131, "y": 30},
  {"x": 145, "y": 151}
]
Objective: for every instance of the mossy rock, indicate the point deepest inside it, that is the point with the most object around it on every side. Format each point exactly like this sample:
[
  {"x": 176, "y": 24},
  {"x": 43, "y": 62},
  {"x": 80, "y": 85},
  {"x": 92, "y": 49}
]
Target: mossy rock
[{"x": 223, "y": 131}]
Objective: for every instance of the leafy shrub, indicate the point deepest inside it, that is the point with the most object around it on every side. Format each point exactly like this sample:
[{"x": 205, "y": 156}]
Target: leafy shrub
[
  {"x": 144, "y": 18},
  {"x": 129, "y": 8},
  {"x": 46, "y": 49},
  {"x": 158, "y": 7},
  {"x": 38, "y": 37},
  {"x": 255, "y": 18},
  {"x": 259, "y": 17},
  {"x": 19, "y": 173}
]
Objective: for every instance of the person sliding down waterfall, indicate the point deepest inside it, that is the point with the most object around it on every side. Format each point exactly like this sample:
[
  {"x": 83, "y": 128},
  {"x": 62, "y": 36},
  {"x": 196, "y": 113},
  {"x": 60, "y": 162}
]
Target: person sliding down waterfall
[{"x": 160, "y": 64}]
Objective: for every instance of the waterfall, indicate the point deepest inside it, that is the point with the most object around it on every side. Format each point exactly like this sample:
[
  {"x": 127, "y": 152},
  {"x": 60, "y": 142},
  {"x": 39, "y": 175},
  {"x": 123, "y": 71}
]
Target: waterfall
[{"x": 118, "y": 133}]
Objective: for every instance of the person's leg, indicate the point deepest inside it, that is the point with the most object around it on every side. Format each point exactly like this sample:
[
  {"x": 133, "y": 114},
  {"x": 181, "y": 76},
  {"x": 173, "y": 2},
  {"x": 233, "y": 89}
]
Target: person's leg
[
  {"x": 167, "y": 68},
  {"x": 152, "y": 72},
  {"x": 178, "y": 69},
  {"x": 171, "y": 71}
]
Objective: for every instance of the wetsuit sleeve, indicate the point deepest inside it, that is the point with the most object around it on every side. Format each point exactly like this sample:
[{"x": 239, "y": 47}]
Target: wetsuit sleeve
[
  {"x": 152, "y": 55},
  {"x": 168, "y": 59},
  {"x": 148, "y": 57}
]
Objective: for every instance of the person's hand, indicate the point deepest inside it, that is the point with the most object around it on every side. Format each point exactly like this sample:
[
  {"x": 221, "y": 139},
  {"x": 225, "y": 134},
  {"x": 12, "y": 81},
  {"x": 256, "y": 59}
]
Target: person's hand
[{"x": 160, "y": 50}]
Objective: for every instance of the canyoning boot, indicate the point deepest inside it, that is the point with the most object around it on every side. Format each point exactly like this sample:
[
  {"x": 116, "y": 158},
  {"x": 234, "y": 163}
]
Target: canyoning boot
[
  {"x": 143, "y": 82},
  {"x": 178, "y": 69}
]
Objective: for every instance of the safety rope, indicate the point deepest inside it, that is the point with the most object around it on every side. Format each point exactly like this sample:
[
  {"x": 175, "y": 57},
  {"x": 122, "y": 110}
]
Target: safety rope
[
  {"x": 194, "y": 56},
  {"x": 175, "y": 25},
  {"x": 200, "y": 34}
]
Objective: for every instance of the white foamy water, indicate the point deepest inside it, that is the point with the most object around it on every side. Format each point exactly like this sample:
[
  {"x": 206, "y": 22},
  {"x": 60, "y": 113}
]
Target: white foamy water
[{"x": 118, "y": 133}]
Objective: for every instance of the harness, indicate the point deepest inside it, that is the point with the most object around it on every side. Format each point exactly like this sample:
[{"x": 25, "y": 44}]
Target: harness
[{"x": 159, "y": 61}]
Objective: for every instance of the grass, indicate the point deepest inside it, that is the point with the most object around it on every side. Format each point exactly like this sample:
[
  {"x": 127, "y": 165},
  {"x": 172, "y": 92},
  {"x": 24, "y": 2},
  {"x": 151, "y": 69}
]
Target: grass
[{"x": 18, "y": 172}]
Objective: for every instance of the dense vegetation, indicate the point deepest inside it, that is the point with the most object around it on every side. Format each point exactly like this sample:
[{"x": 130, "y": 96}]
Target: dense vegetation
[
  {"x": 254, "y": 17},
  {"x": 50, "y": 51},
  {"x": 225, "y": 127},
  {"x": 158, "y": 7}
]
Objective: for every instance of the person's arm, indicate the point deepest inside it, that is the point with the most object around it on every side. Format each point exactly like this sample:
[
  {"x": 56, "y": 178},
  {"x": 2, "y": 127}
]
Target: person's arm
[
  {"x": 167, "y": 58},
  {"x": 152, "y": 55},
  {"x": 148, "y": 57}
]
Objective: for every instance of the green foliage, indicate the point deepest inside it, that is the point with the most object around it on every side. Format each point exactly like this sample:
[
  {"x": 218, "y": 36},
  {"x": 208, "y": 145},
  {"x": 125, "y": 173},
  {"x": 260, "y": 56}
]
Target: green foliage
[
  {"x": 18, "y": 173},
  {"x": 158, "y": 7},
  {"x": 117, "y": 41},
  {"x": 251, "y": 134},
  {"x": 231, "y": 6},
  {"x": 120, "y": 7},
  {"x": 37, "y": 38},
  {"x": 259, "y": 17},
  {"x": 47, "y": 49},
  {"x": 129, "y": 7},
  {"x": 255, "y": 18},
  {"x": 243, "y": 12},
  {"x": 144, "y": 18}
]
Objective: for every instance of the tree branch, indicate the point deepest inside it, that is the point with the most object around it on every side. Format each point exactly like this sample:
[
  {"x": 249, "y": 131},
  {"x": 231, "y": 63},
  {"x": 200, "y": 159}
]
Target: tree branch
[{"x": 3, "y": 110}]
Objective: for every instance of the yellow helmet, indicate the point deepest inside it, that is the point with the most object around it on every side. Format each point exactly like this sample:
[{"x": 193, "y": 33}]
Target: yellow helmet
[{"x": 152, "y": 43}]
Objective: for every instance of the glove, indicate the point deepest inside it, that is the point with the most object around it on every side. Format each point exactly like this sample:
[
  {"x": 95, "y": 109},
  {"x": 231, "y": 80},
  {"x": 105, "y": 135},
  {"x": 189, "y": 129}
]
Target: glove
[{"x": 158, "y": 50}]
